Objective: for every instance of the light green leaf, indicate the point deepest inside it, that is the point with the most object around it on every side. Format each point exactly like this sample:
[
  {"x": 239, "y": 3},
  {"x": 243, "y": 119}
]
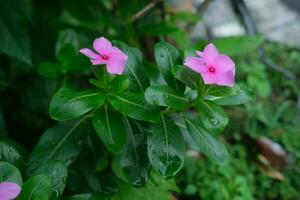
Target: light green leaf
[
  {"x": 238, "y": 45},
  {"x": 231, "y": 96}
]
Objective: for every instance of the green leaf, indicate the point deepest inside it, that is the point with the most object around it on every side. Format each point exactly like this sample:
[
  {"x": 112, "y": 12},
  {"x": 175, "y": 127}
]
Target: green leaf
[
  {"x": 186, "y": 17},
  {"x": 134, "y": 106},
  {"x": 11, "y": 154},
  {"x": 133, "y": 69},
  {"x": 238, "y": 45},
  {"x": 58, "y": 173},
  {"x": 111, "y": 129},
  {"x": 14, "y": 18},
  {"x": 234, "y": 96},
  {"x": 167, "y": 57},
  {"x": 120, "y": 83},
  {"x": 68, "y": 36},
  {"x": 60, "y": 142},
  {"x": 49, "y": 70},
  {"x": 187, "y": 76},
  {"x": 69, "y": 104},
  {"x": 36, "y": 188},
  {"x": 65, "y": 57},
  {"x": 207, "y": 144},
  {"x": 163, "y": 95},
  {"x": 157, "y": 188},
  {"x": 213, "y": 116},
  {"x": 134, "y": 159},
  {"x": 87, "y": 196},
  {"x": 9, "y": 173},
  {"x": 166, "y": 148}
]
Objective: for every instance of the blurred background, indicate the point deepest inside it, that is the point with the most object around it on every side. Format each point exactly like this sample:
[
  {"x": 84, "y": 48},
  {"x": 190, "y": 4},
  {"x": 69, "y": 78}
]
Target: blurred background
[{"x": 39, "y": 42}]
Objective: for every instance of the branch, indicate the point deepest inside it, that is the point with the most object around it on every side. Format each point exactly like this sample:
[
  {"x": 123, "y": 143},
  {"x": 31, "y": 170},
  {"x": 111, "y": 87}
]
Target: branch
[{"x": 143, "y": 11}]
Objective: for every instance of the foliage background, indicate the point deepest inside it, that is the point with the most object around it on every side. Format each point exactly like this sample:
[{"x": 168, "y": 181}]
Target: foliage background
[{"x": 39, "y": 53}]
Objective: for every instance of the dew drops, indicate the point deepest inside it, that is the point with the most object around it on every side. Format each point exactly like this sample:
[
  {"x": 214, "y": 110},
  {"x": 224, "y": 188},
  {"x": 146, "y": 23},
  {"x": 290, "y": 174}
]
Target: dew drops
[{"x": 214, "y": 121}]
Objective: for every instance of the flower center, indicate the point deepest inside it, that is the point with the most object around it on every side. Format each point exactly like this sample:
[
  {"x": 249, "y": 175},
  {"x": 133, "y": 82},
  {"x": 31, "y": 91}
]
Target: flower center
[
  {"x": 211, "y": 69},
  {"x": 104, "y": 57}
]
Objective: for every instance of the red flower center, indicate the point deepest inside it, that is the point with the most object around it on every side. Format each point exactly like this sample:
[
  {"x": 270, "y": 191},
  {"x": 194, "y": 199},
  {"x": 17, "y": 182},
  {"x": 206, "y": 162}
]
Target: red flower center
[
  {"x": 211, "y": 69},
  {"x": 104, "y": 57}
]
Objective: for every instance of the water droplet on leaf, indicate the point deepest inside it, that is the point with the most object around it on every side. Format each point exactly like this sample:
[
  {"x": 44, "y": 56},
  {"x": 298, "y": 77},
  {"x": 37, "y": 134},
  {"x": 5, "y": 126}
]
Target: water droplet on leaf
[{"x": 214, "y": 121}]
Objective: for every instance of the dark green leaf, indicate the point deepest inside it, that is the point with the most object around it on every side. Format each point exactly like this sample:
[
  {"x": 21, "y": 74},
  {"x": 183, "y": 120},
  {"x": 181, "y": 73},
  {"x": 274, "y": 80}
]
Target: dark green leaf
[
  {"x": 120, "y": 83},
  {"x": 187, "y": 76},
  {"x": 133, "y": 68},
  {"x": 157, "y": 188},
  {"x": 167, "y": 57},
  {"x": 58, "y": 143},
  {"x": 9, "y": 173},
  {"x": 9, "y": 153},
  {"x": 134, "y": 106},
  {"x": 213, "y": 116},
  {"x": 163, "y": 95},
  {"x": 234, "y": 96},
  {"x": 14, "y": 18},
  {"x": 111, "y": 129},
  {"x": 36, "y": 188},
  {"x": 134, "y": 160},
  {"x": 166, "y": 147},
  {"x": 69, "y": 104},
  {"x": 207, "y": 144},
  {"x": 58, "y": 173},
  {"x": 238, "y": 45},
  {"x": 49, "y": 70},
  {"x": 86, "y": 196},
  {"x": 68, "y": 36},
  {"x": 65, "y": 57}
]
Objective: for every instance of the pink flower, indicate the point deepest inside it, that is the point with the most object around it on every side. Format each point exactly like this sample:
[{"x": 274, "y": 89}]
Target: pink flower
[
  {"x": 214, "y": 68},
  {"x": 9, "y": 191},
  {"x": 112, "y": 56}
]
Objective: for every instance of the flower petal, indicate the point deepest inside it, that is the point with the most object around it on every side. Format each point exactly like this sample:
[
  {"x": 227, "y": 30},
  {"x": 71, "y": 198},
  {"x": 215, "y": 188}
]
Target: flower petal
[
  {"x": 226, "y": 79},
  {"x": 102, "y": 45},
  {"x": 98, "y": 61},
  {"x": 210, "y": 53},
  {"x": 116, "y": 66},
  {"x": 9, "y": 190},
  {"x": 209, "y": 78},
  {"x": 223, "y": 63},
  {"x": 199, "y": 53},
  {"x": 89, "y": 53},
  {"x": 196, "y": 64},
  {"x": 116, "y": 53}
]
